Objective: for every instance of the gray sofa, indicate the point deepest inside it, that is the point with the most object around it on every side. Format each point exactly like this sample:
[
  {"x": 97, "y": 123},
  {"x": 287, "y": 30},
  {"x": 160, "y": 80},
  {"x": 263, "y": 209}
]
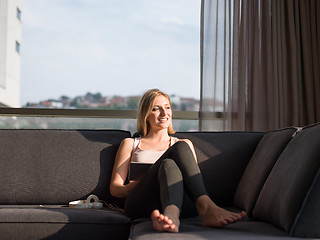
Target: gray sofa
[{"x": 274, "y": 176}]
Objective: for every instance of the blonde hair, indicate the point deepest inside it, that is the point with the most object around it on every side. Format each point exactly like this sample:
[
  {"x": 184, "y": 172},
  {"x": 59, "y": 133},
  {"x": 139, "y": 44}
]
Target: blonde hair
[{"x": 145, "y": 108}]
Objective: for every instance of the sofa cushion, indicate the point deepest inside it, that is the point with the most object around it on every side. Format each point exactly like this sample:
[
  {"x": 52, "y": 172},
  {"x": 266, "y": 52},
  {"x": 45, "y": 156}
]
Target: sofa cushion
[
  {"x": 56, "y": 166},
  {"x": 191, "y": 229},
  {"x": 307, "y": 222},
  {"x": 55, "y": 222},
  {"x": 290, "y": 179},
  {"x": 269, "y": 149},
  {"x": 222, "y": 158}
]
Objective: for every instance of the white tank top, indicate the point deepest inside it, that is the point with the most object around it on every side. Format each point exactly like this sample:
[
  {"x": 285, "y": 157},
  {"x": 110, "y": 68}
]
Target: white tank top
[{"x": 147, "y": 156}]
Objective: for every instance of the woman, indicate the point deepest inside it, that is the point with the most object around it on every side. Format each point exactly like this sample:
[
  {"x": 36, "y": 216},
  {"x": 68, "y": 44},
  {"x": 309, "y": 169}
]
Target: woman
[{"x": 174, "y": 180}]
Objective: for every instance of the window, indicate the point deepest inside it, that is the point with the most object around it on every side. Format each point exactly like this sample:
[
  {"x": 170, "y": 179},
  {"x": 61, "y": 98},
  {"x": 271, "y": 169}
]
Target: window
[
  {"x": 19, "y": 14},
  {"x": 112, "y": 48},
  {"x": 18, "y": 47},
  {"x": 104, "y": 54}
]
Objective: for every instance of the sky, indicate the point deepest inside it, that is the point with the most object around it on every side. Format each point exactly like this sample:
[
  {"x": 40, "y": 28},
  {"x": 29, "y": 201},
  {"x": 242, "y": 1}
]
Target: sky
[{"x": 121, "y": 47}]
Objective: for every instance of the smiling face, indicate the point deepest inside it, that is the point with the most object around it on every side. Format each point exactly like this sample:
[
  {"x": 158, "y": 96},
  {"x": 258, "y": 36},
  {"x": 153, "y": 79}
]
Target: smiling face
[{"x": 160, "y": 116}]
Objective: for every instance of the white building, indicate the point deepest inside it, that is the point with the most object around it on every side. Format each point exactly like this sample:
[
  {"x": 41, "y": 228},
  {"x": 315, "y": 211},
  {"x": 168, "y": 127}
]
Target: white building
[{"x": 10, "y": 60}]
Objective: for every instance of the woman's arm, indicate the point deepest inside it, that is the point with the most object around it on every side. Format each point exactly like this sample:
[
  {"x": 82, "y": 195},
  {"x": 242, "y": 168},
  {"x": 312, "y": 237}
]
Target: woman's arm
[
  {"x": 191, "y": 147},
  {"x": 121, "y": 169}
]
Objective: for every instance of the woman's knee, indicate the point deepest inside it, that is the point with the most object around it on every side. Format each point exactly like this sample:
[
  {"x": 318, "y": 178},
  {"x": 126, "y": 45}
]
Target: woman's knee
[
  {"x": 169, "y": 167},
  {"x": 182, "y": 147},
  {"x": 167, "y": 164},
  {"x": 181, "y": 151}
]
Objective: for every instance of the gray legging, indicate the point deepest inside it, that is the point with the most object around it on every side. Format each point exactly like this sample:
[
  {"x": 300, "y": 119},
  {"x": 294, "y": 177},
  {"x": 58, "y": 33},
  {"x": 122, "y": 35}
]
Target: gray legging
[{"x": 174, "y": 179}]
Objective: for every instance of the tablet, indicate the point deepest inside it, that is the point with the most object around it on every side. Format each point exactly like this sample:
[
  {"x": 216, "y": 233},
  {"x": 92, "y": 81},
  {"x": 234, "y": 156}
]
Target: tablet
[{"x": 138, "y": 169}]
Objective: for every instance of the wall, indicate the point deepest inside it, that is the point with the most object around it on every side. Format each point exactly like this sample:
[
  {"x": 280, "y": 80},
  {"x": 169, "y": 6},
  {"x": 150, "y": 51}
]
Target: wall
[{"x": 10, "y": 60}]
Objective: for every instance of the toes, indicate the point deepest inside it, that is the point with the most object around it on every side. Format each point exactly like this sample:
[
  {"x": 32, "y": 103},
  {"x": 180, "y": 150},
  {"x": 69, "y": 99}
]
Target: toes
[
  {"x": 174, "y": 228},
  {"x": 238, "y": 216},
  {"x": 234, "y": 217},
  {"x": 155, "y": 214},
  {"x": 167, "y": 220},
  {"x": 161, "y": 217},
  {"x": 223, "y": 222},
  {"x": 231, "y": 220}
]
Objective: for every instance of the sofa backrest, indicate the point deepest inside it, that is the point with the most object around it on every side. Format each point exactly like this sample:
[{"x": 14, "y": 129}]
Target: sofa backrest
[
  {"x": 56, "y": 166},
  {"x": 292, "y": 188},
  {"x": 223, "y": 157},
  {"x": 265, "y": 156},
  {"x": 281, "y": 183}
]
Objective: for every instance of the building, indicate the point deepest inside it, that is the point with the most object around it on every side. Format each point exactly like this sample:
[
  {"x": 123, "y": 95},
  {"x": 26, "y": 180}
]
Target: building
[{"x": 10, "y": 59}]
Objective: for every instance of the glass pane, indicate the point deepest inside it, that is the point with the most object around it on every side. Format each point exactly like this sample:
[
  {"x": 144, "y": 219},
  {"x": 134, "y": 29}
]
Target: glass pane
[
  {"x": 108, "y": 47},
  {"x": 84, "y": 123}
]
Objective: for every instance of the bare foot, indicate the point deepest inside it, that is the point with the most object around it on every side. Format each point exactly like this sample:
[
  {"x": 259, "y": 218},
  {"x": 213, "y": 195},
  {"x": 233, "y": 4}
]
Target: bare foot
[
  {"x": 213, "y": 216},
  {"x": 162, "y": 223}
]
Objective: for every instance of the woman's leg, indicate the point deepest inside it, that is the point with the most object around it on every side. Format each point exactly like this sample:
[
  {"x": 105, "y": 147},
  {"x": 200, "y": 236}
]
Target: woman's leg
[
  {"x": 145, "y": 197},
  {"x": 184, "y": 159},
  {"x": 171, "y": 196},
  {"x": 171, "y": 184},
  {"x": 209, "y": 212},
  {"x": 152, "y": 190}
]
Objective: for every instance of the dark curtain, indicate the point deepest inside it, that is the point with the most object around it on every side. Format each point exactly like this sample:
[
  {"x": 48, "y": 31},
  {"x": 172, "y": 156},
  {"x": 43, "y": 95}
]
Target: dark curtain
[{"x": 268, "y": 75}]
